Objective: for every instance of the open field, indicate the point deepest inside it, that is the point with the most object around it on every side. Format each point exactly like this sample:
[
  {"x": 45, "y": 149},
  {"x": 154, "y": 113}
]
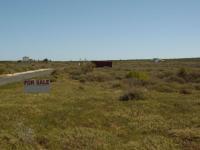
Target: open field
[{"x": 138, "y": 105}]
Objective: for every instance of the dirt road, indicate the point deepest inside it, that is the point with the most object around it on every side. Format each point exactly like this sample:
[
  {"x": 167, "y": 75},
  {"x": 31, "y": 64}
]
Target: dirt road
[{"x": 16, "y": 77}]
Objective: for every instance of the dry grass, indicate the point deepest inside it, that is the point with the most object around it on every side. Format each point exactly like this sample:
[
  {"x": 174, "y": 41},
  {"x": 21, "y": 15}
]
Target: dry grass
[{"x": 83, "y": 110}]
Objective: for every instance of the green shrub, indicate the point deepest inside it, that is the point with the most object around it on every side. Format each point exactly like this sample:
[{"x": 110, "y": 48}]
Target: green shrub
[
  {"x": 133, "y": 94},
  {"x": 138, "y": 75},
  {"x": 132, "y": 82}
]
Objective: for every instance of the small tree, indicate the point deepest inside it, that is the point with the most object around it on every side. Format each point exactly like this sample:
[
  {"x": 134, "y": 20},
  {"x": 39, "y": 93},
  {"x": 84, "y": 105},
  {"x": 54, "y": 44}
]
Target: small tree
[{"x": 46, "y": 60}]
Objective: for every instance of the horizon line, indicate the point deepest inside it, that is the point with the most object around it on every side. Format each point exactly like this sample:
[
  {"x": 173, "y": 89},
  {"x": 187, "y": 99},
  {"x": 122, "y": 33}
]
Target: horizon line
[{"x": 74, "y": 60}]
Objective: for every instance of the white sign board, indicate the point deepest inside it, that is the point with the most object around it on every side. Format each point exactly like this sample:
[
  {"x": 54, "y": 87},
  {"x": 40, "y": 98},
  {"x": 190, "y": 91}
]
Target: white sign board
[{"x": 37, "y": 86}]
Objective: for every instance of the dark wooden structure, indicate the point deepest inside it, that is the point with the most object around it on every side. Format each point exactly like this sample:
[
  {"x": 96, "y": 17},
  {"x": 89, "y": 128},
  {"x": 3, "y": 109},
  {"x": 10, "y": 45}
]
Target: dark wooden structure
[{"x": 99, "y": 64}]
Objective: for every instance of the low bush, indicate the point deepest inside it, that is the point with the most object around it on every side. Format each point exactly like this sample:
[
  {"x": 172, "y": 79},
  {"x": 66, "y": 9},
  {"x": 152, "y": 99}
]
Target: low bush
[
  {"x": 132, "y": 82},
  {"x": 189, "y": 134},
  {"x": 82, "y": 80},
  {"x": 166, "y": 74},
  {"x": 164, "y": 88},
  {"x": 54, "y": 76},
  {"x": 175, "y": 78},
  {"x": 182, "y": 76},
  {"x": 185, "y": 91},
  {"x": 96, "y": 77},
  {"x": 189, "y": 76},
  {"x": 2, "y": 71},
  {"x": 87, "y": 67},
  {"x": 75, "y": 73},
  {"x": 80, "y": 73},
  {"x": 197, "y": 87},
  {"x": 194, "y": 76},
  {"x": 133, "y": 94},
  {"x": 81, "y": 87},
  {"x": 182, "y": 72},
  {"x": 116, "y": 85},
  {"x": 138, "y": 75}
]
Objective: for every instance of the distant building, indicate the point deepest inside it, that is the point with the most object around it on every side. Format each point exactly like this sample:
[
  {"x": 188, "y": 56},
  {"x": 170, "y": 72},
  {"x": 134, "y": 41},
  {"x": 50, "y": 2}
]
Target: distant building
[
  {"x": 157, "y": 60},
  {"x": 102, "y": 63},
  {"x": 25, "y": 59}
]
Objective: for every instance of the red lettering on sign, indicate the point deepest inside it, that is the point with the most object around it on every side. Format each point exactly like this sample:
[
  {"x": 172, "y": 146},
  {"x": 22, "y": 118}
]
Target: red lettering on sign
[
  {"x": 37, "y": 82},
  {"x": 29, "y": 82}
]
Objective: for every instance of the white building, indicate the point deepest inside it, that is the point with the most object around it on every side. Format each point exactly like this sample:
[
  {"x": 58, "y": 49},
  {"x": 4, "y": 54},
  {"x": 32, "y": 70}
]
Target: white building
[{"x": 157, "y": 60}]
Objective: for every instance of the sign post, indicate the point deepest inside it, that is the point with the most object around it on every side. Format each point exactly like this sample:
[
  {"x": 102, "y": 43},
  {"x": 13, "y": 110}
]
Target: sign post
[{"x": 37, "y": 86}]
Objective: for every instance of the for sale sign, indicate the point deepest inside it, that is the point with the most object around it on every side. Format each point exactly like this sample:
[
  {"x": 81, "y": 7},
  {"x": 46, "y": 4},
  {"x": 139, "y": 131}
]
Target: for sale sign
[{"x": 37, "y": 86}]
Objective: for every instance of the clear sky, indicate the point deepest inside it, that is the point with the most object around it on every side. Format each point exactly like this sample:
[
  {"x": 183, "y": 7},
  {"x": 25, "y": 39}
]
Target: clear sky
[{"x": 99, "y": 29}]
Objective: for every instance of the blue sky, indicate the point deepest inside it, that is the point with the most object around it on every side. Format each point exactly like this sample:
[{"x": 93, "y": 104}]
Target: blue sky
[{"x": 99, "y": 29}]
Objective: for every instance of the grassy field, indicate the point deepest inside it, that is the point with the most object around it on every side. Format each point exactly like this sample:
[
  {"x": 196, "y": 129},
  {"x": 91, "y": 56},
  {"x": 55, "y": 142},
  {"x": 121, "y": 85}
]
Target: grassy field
[{"x": 136, "y": 105}]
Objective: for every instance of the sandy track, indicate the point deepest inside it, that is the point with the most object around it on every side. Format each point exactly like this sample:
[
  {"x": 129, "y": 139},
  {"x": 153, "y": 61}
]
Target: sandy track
[{"x": 16, "y": 77}]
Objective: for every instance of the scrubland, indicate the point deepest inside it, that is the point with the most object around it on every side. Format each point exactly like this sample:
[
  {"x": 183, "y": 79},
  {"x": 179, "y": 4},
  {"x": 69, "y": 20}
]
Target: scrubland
[{"x": 137, "y": 104}]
